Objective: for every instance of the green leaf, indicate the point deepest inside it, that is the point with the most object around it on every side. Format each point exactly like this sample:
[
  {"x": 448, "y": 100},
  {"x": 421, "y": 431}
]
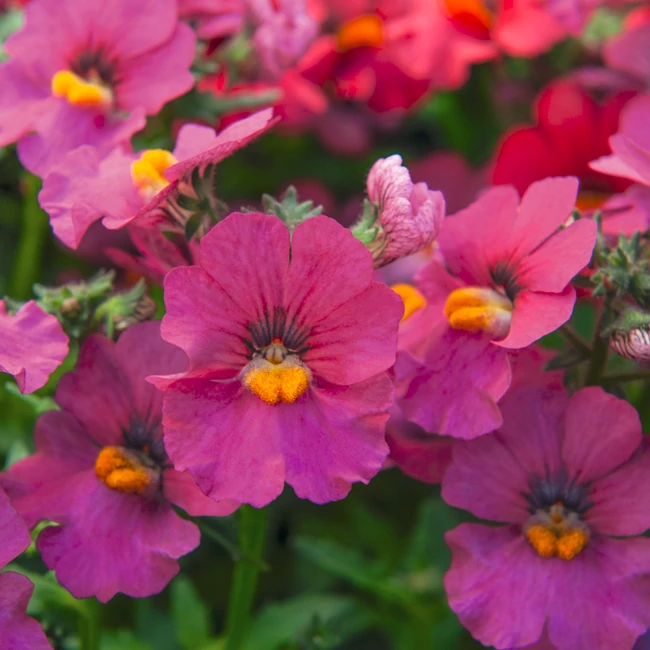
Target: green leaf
[
  {"x": 191, "y": 616},
  {"x": 300, "y": 619},
  {"x": 154, "y": 627},
  {"x": 122, "y": 640},
  {"x": 37, "y": 403}
]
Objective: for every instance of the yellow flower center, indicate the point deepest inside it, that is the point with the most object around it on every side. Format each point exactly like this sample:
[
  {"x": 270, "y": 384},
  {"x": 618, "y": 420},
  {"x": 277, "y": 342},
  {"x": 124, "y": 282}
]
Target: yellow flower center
[
  {"x": 413, "y": 300},
  {"x": 121, "y": 470},
  {"x": 557, "y": 533},
  {"x": 362, "y": 31},
  {"x": 277, "y": 376},
  {"x": 148, "y": 171},
  {"x": 479, "y": 309},
  {"x": 79, "y": 91}
]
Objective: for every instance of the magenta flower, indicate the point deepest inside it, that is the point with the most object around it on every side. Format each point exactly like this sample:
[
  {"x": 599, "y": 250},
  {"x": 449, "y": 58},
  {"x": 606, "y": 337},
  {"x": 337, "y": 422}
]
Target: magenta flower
[
  {"x": 100, "y": 471},
  {"x": 84, "y": 187},
  {"x": 631, "y": 145},
  {"x": 506, "y": 285},
  {"x": 213, "y": 18},
  {"x": 17, "y": 630},
  {"x": 284, "y": 31},
  {"x": 569, "y": 478},
  {"x": 288, "y": 356},
  {"x": 87, "y": 72},
  {"x": 407, "y": 216},
  {"x": 32, "y": 346}
]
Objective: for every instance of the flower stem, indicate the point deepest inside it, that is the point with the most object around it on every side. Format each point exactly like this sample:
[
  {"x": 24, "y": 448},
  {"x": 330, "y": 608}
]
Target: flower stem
[
  {"x": 599, "y": 352},
  {"x": 28, "y": 258},
  {"x": 627, "y": 376},
  {"x": 576, "y": 340},
  {"x": 252, "y": 533}
]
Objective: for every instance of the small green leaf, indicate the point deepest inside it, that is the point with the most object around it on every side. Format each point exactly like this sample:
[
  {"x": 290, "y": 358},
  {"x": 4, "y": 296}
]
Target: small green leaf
[{"x": 191, "y": 616}]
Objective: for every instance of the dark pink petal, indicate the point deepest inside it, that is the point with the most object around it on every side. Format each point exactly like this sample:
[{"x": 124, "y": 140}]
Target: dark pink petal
[
  {"x": 227, "y": 437},
  {"x": 112, "y": 542},
  {"x": 232, "y": 138},
  {"x": 620, "y": 499},
  {"x": 595, "y": 602},
  {"x": 537, "y": 314},
  {"x": 532, "y": 428},
  {"x": 258, "y": 246},
  {"x": 17, "y": 630},
  {"x": 600, "y": 433},
  {"x": 455, "y": 392},
  {"x": 32, "y": 345},
  {"x": 545, "y": 206},
  {"x": 335, "y": 438},
  {"x": 153, "y": 78},
  {"x": 498, "y": 586},
  {"x": 485, "y": 478},
  {"x": 14, "y": 536},
  {"x": 82, "y": 188},
  {"x": 328, "y": 268},
  {"x": 180, "y": 489},
  {"x": 558, "y": 260},
  {"x": 358, "y": 339}
]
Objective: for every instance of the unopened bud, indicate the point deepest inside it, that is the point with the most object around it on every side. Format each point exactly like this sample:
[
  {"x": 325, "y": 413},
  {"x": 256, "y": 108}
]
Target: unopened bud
[{"x": 630, "y": 335}]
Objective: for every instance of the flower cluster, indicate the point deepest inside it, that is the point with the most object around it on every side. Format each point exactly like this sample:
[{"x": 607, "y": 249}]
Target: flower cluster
[{"x": 436, "y": 320}]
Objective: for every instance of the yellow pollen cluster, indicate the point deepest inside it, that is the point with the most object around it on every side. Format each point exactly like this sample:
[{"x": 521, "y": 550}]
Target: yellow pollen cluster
[
  {"x": 413, "y": 300},
  {"x": 148, "y": 171},
  {"x": 479, "y": 309},
  {"x": 275, "y": 383},
  {"x": 80, "y": 92},
  {"x": 565, "y": 544},
  {"x": 362, "y": 31},
  {"x": 120, "y": 471}
]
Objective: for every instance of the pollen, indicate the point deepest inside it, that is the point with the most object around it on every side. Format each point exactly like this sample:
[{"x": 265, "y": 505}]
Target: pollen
[
  {"x": 413, "y": 300},
  {"x": 571, "y": 544},
  {"x": 362, "y": 31},
  {"x": 557, "y": 532},
  {"x": 542, "y": 539},
  {"x": 148, "y": 171},
  {"x": 119, "y": 470},
  {"x": 80, "y": 92},
  {"x": 275, "y": 383},
  {"x": 479, "y": 309}
]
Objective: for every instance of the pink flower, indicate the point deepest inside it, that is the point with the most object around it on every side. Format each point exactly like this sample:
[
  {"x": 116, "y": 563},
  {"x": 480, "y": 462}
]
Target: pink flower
[
  {"x": 84, "y": 187},
  {"x": 407, "y": 216},
  {"x": 78, "y": 66},
  {"x": 572, "y": 130},
  {"x": 511, "y": 270},
  {"x": 288, "y": 356},
  {"x": 17, "y": 630},
  {"x": 100, "y": 471},
  {"x": 569, "y": 479},
  {"x": 213, "y": 18},
  {"x": 631, "y": 145},
  {"x": 629, "y": 51},
  {"x": 284, "y": 31},
  {"x": 32, "y": 345}
]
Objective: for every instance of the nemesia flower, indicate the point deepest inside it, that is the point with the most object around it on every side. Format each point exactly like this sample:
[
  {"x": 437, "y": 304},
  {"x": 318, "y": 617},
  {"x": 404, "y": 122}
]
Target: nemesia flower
[
  {"x": 629, "y": 51},
  {"x": 93, "y": 78},
  {"x": 569, "y": 478},
  {"x": 213, "y": 18},
  {"x": 407, "y": 216},
  {"x": 572, "y": 130},
  {"x": 283, "y": 32},
  {"x": 32, "y": 345},
  {"x": 510, "y": 286},
  {"x": 17, "y": 630},
  {"x": 101, "y": 473},
  {"x": 83, "y": 187},
  {"x": 631, "y": 145},
  {"x": 288, "y": 356}
]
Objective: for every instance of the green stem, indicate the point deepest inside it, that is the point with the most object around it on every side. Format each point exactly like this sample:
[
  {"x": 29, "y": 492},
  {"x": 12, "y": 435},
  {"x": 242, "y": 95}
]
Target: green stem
[
  {"x": 90, "y": 625},
  {"x": 599, "y": 352},
  {"x": 576, "y": 340},
  {"x": 28, "y": 258},
  {"x": 252, "y": 532},
  {"x": 627, "y": 376}
]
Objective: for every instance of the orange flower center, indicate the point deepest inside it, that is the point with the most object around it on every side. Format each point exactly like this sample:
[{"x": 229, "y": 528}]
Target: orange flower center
[
  {"x": 471, "y": 16},
  {"x": 588, "y": 201},
  {"x": 479, "y": 309},
  {"x": 362, "y": 31},
  {"x": 413, "y": 300},
  {"x": 122, "y": 470},
  {"x": 557, "y": 533},
  {"x": 79, "y": 91},
  {"x": 148, "y": 171}
]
